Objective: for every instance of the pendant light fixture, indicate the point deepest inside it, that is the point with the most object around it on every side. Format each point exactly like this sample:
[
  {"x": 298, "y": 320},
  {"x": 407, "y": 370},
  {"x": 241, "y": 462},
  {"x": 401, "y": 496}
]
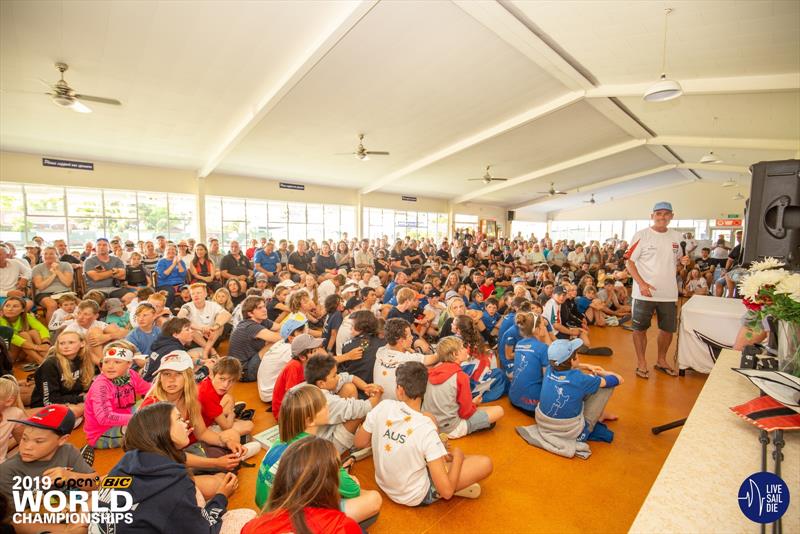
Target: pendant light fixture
[
  {"x": 664, "y": 89},
  {"x": 710, "y": 157}
]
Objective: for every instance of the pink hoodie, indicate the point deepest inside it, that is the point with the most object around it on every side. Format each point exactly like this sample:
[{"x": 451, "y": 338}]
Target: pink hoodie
[{"x": 107, "y": 405}]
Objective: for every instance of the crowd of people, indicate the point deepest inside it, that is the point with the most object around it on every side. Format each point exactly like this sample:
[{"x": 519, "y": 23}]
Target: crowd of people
[{"x": 360, "y": 347}]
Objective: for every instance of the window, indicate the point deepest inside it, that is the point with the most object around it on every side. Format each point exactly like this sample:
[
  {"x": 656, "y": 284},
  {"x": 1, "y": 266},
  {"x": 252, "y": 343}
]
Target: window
[
  {"x": 464, "y": 222},
  {"x": 526, "y": 229},
  {"x": 399, "y": 224},
  {"x": 83, "y": 214},
  {"x": 244, "y": 220}
]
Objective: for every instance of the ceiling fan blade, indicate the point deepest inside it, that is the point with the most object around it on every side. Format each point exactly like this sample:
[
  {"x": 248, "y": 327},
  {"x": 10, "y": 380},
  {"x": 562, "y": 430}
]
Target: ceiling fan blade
[
  {"x": 474, "y": 179},
  {"x": 80, "y": 107},
  {"x": 99, "y": 100},
  {"x": 41, "y": 81},
  {"x": 560, "y": 192},
  {"x": 344, "y": 153},
  {"x": 499, "y": 179},
  {"x": 376, "y": 153}
]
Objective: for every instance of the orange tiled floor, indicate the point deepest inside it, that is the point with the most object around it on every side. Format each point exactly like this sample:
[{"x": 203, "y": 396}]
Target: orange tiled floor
[{"x": 531, "y": 490}]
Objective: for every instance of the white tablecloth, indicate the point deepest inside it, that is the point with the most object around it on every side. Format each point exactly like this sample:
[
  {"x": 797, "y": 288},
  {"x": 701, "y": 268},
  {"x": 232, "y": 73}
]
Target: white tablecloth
[
  {"x": 697, "y": 488},
  {"x": 708, "y": 324}
]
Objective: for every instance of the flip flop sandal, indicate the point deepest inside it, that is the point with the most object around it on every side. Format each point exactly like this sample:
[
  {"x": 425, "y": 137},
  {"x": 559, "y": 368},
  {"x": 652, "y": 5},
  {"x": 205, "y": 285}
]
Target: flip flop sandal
[
  {"x": 247, "y": 415},
  {"x": 239, "y": 407},
  {"x": 87, "y": 453},
  {"x": 666, "y": 370},
  {"x": 642, "y": 373}
]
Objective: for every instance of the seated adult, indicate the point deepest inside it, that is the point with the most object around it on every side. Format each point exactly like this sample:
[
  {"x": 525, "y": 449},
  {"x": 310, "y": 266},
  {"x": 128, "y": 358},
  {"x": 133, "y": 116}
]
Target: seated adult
[
  {"x": 325, "y": 263},
  {"x": 171, "y": 273},
  {"x": 31, "y": 339},
  {"x": 14, "y": 277},
  {"x": 268, "y": 262},
  {"x": 300, "y": 262},
  {"x": 201, "y": 268},
  {"x": 96, "y": 333},
  {"x": 104, "y": 272},
  {"x": 235, "y": 266},
  {"x": 207, "y": 319},
  {"x": 252, "y": 337},
  {"x": 50, "y": 277}
]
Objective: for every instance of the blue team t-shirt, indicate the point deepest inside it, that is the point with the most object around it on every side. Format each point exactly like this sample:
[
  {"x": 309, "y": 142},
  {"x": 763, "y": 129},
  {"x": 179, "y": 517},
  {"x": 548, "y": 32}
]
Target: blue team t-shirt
[
  {"x": 530, "y": 356},
  {"x": 476, "y": 306},
  {"x": 583, "y": 303},
  {"x": 142, "y": 339},
  {"x": 388, "y": 294},
  {"x": 332, "y": 322},
  {"x": 563, "y": 392},
  {"x": 505, "y": 324},
  {"x": 490, "y": 320},
  {"x": 269, "y": 261}
]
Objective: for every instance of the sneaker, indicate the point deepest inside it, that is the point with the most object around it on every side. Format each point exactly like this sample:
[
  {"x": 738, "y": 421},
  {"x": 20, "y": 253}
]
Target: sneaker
[
  {"x": 595, "y": 351},
  {"x": 87, "y": 453},
  {"x": 250, "y": 449},
  {"x": 473, "y": 491},
  {"x": 360, "y": 454}
]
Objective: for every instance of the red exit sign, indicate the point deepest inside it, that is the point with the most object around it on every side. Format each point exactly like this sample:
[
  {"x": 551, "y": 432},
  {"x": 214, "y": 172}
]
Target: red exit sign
[{"x": 729, "y": 222}]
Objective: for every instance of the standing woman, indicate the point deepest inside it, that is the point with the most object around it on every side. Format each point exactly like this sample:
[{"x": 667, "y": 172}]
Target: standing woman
[
  {"x": 171, "y": 273},
  {"x": 305, "y": 493},
  {"x": 344, "y": 258},
  {"x": 201, "y": 268},
  {"x": 163, "y": 492},
  {"x": 31, "y": 338},
  {"x": 50, "y": 277}
]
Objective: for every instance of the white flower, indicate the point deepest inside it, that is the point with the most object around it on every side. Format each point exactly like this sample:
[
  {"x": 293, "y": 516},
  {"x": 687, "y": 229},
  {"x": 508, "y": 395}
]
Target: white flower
[
  {"x": 790, "y": 286},
  {"x": 754, "y": 282},
  {"x": 766, "y": 264}
]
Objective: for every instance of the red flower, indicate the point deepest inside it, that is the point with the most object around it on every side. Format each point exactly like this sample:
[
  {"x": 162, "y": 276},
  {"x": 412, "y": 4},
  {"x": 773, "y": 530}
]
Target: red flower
[{"x": 750, "y": 305}]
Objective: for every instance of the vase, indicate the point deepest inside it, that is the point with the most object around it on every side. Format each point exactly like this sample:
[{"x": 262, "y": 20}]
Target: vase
[{"x": 789, "y": 347}]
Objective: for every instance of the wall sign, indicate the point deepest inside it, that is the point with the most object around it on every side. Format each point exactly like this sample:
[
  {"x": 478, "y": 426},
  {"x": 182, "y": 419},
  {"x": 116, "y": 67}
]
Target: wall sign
[
  {"x": 296, "y": 187},
  {"x": 67, "y": 164},
  {"x": 409, "y": 199},
  {"x": 728, "y": 222}
]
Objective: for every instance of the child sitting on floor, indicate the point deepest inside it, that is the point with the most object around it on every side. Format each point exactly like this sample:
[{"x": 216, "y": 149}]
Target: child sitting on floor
[
  {"x": 571, "y": 405},
  {"x": 44, "y": 451},
  {"x": 530, "y": 357},
  {"x": 11, "y": 407},
  {"x": 110, "y": 399},
  {"x": 67, "y": 302},
  {"x": 303, "y": 347},
  {"x": 346, "y": 411},
  {"x": 411, "y": 463},
  {"x": 449, "y": 398},
  {"x": 217, "y": 405},
  {"x": 304, "y": 413},
  {"x": 490, "y": 383}
]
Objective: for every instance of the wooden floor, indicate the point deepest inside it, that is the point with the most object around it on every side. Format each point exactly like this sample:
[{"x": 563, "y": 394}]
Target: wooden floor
[{"x": 531, "y": 490}]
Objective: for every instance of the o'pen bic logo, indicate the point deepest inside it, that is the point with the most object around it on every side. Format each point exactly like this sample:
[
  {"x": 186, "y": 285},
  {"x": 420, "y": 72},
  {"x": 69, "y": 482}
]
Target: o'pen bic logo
[{"x": 764, "y": 497}]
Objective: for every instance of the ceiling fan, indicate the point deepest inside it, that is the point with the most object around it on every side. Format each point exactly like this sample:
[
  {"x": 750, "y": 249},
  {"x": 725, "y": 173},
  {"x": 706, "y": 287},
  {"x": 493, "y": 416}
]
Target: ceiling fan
[
  {"x": 487, "y": 178},
  {"x": 552, "y": 191},
  {"x": 591, "y": 200},
  {"x": 729, "y": 183},
  {"x": 63, "y": 95},
  {"x": 362, "y": 153}
]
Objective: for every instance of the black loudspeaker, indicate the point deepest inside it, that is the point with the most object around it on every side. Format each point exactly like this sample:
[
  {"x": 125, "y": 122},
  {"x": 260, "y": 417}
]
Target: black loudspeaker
[
  {"x": 772, "y": 218},
  {"x": 510, "y": 215}
]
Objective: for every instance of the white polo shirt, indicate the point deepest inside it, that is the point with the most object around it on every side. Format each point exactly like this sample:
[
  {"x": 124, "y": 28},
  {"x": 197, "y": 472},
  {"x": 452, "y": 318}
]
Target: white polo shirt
[{"x": 656, "y": 254}]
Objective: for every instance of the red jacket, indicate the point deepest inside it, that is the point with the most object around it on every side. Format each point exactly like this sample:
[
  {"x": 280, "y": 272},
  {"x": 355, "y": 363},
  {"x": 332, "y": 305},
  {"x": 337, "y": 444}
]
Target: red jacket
[{"x": 441, "y": 374}]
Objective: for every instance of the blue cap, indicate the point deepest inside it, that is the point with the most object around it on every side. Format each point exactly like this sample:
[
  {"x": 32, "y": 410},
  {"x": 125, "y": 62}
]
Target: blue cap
[
  {"x": 290, "y": 326},
  {"x": 561, "y": 350},
  {"x": 516, "y": 280},
  {"x": 101, "y": 239},
  {"x": 662, "y": 206}
]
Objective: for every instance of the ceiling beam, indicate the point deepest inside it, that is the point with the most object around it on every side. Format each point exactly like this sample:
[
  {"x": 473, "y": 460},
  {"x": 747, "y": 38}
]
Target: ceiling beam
[
  {"x": 715, "y": 167},
  {"x": 252, "y": 113},
  {"x": 502, "y": 22},
  {"x": 707, "y": 86},
  {"x": 599, "y": 185},
  {"x": 530, "y": 115},
  {"x": 725, "y": 142},
  {"x": 551, "y": 169}
]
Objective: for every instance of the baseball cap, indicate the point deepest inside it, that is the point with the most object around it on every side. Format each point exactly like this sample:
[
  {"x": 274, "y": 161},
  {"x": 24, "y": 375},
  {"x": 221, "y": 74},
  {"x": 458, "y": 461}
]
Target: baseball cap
[
  {"x": 305, "y": 342},
  {"x": 516, "y": 280},
  {"x": 434, "y": 293},
  {"x": 118, "y": 353},
  {"x": 55, "y": 417},
  {"x": 101, "y": 239},
  {"x": 32, "y": 244},
  {"x": 561, "y": 350},
  {"x": 128, "y": 243},
  {"x": 290, "y": 325},
  {"x": 662, "y": 206},
  {"x": 349, "y": 287},
  {"x": 262, "y": 276},
  {"x": 113, "y": 305},
  {"x": 450, "y": 294},
  {"x": 287, "y": 283},
  {"x": 559, "y": 290},
  {"x": 57, "y": 296},
  {"x": 177, "y": 360}
]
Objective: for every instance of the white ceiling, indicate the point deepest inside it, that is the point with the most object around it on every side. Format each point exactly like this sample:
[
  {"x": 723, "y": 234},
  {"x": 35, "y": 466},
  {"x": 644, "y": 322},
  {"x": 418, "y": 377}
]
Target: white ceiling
[{"x": 277, "y": 89}]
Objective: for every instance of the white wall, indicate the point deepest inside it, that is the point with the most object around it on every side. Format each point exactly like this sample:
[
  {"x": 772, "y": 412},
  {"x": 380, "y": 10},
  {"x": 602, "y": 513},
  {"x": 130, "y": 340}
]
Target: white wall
[{"x": 692, "y": 200}]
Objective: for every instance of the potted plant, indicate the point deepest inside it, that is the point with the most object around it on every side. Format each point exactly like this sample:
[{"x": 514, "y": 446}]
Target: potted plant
[{"x": 771, "y": 291}]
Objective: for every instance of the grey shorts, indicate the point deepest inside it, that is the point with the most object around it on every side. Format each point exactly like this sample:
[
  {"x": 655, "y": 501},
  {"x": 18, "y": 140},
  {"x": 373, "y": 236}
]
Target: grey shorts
[{"x": 666, "y": 312}]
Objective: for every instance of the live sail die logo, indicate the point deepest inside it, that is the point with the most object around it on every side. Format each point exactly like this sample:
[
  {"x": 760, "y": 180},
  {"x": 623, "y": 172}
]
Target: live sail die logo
[{"x": 764, "y": 497}]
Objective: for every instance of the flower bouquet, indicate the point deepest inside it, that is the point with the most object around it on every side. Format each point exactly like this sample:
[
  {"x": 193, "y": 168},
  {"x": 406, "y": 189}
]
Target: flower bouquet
[{"x": 771, "y": 291}]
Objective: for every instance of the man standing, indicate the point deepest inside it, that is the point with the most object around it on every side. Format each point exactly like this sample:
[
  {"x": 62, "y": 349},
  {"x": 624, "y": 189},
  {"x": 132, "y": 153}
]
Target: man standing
[{"x": 652, "y": 260}]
